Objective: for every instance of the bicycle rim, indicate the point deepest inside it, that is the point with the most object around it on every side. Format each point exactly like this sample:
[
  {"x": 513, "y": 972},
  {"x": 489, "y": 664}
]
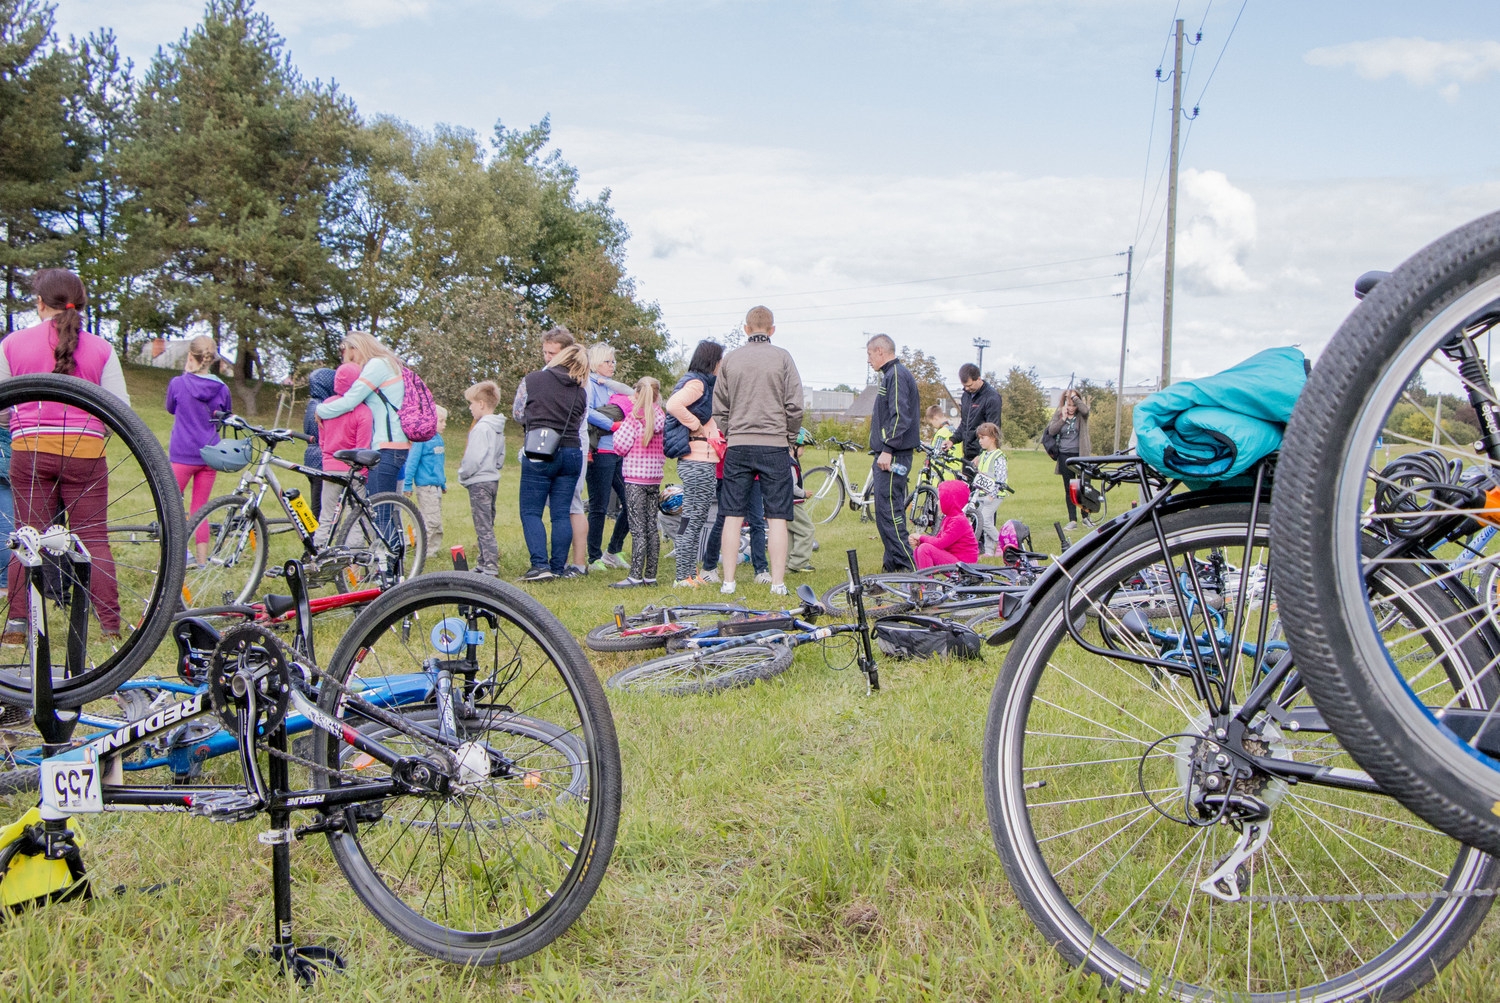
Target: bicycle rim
[{"x": 704, "y": 670}]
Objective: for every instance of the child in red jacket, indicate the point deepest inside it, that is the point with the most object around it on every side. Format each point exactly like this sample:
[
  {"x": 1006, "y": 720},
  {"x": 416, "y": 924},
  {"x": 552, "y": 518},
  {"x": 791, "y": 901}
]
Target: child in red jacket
[{"x": 954, "y": 541}]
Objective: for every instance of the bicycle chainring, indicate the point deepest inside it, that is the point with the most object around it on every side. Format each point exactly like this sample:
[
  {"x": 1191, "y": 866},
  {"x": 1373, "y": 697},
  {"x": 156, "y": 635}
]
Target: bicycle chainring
[{"x": 250, "y": 658}]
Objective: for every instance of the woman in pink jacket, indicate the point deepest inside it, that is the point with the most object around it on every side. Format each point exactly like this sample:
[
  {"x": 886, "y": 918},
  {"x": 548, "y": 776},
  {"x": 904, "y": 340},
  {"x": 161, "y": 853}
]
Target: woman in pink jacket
[
  {"x": 954, "y": 541},
  {"x": 57, "y": 460}
]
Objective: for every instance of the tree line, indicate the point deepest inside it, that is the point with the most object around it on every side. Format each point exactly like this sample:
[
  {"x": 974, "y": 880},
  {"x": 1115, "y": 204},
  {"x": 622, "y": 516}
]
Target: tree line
[{"x": 220, "y": 189}]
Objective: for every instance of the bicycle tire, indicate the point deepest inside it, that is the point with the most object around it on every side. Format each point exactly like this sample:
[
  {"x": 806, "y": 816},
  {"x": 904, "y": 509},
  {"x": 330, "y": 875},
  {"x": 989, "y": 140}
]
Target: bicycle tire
[
  {"x": 825, "y": 495},
  {"x": 606, "y": 636},
  {"x": 1059, "y": 720},
  {"x": 228, "y": 579},
  {"x": 543, "y": 866},
  {"x": 1330, "y": 442},
  {"x": 412, "y": 527},
  {"x": 886, "y": 588},
  {"x": 704, "y": 670},
  {"x": 922, "y": 508},
  {"x": 140, "y": 491}
]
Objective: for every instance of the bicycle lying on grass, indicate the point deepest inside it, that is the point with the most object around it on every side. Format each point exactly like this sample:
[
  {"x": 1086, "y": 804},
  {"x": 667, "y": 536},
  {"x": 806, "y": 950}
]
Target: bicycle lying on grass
[
  {"x": 739, "y": 648},
  {"x": 378, "y": 539},
  {"x": 470, "y": 823},
  {"x": 1169, "y": 804}
]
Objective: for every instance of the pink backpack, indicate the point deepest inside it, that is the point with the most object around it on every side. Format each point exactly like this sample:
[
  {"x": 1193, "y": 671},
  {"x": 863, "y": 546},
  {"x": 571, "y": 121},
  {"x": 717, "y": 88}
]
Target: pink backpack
[{"x": 418, "y": 413}]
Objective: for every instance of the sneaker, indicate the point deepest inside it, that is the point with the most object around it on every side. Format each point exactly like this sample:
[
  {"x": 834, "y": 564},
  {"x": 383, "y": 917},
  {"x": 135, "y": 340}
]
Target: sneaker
[
  {"x": 1071, "y": 525},
  {"x": 650, "y": 581},
  {"x": 726, "y": 589},
  {"x": 602, "y": 565},
  {"x": 491, "y": 572},
  {"x": 764, "y": 578},
  {"x": 537, "y": 574},
  {"x": 804, "y": 569},
  {"x": 1088, "y": 522},
  {"x": 778, "y": 590},
  {"x": 709, "y": 577},
  {"x": 628, "y": 583},
  {"x": 687, "y": 583},
  {"x": 616, "y": 561},
  {"x": 574, "y": 571}
]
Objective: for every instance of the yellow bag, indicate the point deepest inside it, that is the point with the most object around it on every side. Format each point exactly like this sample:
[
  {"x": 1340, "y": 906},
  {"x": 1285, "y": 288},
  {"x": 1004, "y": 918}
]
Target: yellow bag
[{"x": 32, "y": 878}]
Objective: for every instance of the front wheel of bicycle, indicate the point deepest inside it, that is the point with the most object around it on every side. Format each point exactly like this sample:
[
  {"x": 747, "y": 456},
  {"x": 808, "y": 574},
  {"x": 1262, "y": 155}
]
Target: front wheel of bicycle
[
  {"x": 1347, "y": 473},
  {"x": 647, "y": 632},
  {"x": 922, "y": 508},
  {"x": 502, "y": 863},
  {"x": 239, "y": 549},
  {"x": 1088, "y": 777},
  {"x": 704, "y": 670},
  {"x": 825, "y": 495},
  {"x": 391, "y": 539}
]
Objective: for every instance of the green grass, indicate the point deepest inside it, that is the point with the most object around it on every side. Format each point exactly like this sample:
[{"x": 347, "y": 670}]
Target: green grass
[{"x": 798, "y": 839}]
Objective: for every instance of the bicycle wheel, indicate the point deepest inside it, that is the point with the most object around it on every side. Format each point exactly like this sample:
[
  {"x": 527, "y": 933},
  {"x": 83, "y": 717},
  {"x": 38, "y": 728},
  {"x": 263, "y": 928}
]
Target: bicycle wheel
[
  {"x": 895, "y": 589},
  {"x": 239, "y": 547},
  {"x": 81, "y": 458},
  {"x": 502, "y": 864},
  {"x": 1089, "y": 777},
  {"x": 922, "y": 508},
  {"x": 1362, "y": 409},
  {"x": 650, "y": 632},
  {"x": 704, "y": 670},
  {"x": 390, "y": 538},
  {"x": 825, "y": 495}
]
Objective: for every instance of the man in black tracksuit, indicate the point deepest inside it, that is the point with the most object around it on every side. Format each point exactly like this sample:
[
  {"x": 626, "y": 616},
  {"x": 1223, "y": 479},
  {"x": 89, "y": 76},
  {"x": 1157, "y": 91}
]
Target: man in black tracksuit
[
  {"x": 895, "y": 430},
  {"x": 980, "y": 403}
]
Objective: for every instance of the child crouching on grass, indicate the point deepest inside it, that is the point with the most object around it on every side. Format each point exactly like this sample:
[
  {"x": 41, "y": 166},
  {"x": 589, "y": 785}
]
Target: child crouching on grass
[
  {"x": 992, "y": 471},
  {"x": 427, "y": 481},
  {"x": 479, "y": 470},
  {"x": 638, "y": 443}
]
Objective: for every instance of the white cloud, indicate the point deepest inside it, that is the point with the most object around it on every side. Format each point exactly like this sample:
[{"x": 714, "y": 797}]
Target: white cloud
[
  {"x": 956, "y": 311},
  {"x": 1215, "y": 229},
  {"x": 1420, "y": 61}
]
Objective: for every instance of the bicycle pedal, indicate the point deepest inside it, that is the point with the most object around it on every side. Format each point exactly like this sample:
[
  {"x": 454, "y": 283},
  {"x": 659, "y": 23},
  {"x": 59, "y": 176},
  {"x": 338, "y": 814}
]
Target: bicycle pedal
[{"x": 226, "y": 806}]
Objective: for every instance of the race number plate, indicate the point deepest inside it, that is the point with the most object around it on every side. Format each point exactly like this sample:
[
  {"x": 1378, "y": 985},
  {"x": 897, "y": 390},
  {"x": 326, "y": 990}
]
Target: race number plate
[{"x": 72, "y": 786}]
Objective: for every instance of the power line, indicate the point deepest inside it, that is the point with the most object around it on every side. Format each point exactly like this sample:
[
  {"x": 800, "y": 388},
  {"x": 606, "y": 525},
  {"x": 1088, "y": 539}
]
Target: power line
[
  {"x": 923, "y": 296},
  {"x": 905, "y": 282},
  {"x": 1227, "y": 39}
]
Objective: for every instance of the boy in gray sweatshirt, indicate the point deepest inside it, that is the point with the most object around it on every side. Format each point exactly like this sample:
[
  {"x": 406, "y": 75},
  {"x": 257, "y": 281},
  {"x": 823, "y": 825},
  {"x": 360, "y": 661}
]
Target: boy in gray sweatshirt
[{"x": 479, "y": 471}]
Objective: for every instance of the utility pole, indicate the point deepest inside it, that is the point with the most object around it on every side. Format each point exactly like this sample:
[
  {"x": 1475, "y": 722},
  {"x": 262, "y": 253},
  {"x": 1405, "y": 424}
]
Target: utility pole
[
  {"x": 1124, "y": 330},
  {"x": 1166, "y": 300},
  {"x": 981, "y": 344}
]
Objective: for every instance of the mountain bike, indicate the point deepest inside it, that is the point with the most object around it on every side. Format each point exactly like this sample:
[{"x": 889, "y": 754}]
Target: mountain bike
[
  {"x": 922, "y": 507},
  {"x": 378, "y": 539},
  {"x": 750, "y": 646},
  {"x": 828, "y": 487},
  {"x": 457, "y": 821},
  {"x": 1169, "y": 804},
  {"x": 1377, "y": 480}
]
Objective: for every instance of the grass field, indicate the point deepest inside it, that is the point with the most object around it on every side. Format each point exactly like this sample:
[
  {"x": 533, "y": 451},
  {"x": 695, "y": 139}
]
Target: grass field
[{"x": 796, "y": 840}]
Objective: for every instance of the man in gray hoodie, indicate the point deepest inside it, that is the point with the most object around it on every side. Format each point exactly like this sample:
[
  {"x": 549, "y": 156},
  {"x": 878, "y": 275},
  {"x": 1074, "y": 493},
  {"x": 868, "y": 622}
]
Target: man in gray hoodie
[
  {"x": 479, "y": 470},
  {"x": 758, "y": 407}
]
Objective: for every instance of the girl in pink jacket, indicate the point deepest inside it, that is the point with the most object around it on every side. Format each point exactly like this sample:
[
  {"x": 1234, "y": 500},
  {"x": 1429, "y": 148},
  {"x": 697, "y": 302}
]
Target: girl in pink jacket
[
  {"x": 638, "y": 443},
  {"x": 954, "y": 541}
]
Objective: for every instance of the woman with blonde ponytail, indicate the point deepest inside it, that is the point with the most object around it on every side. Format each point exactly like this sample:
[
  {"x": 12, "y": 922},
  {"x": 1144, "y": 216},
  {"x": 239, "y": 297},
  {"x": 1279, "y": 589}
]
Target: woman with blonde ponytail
[{"x": 193, "y": 398}]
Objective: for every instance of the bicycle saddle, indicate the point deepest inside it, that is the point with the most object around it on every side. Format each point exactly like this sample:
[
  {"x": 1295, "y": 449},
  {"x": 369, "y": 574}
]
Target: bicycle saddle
[
  {"x": 278, "y": 606},
  {"x": 1368, "y": 281},
  {"x": 358, "y": 457}
]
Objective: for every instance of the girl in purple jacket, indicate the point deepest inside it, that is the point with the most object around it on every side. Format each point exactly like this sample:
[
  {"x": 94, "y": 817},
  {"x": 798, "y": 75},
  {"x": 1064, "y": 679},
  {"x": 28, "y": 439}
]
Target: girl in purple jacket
[{"x": 193, "y": 398}]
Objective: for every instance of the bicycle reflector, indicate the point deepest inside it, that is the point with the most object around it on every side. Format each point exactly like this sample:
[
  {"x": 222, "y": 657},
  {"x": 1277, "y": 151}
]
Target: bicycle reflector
[{"x": 1087, "y": 497}]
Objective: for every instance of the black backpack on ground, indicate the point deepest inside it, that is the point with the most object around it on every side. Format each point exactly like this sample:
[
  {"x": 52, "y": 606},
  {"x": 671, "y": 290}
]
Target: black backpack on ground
[{"x": 925, "y": 636}]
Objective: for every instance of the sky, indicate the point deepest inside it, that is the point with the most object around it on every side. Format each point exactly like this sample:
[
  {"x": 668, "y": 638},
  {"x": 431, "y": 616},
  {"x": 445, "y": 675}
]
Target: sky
[{"x": 942, "y": 171}]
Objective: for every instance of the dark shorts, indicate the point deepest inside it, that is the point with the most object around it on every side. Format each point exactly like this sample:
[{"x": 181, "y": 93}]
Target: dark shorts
[{"x": 742, "y": 466}]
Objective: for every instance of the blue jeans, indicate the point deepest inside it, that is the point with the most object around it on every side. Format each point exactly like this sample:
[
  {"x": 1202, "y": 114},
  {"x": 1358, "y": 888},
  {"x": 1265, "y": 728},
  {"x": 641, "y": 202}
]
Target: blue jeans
[
  {"x": 543, "y": 483},
  {"x": 756, "y": 520},
  {"x": 386, "y": 476}
]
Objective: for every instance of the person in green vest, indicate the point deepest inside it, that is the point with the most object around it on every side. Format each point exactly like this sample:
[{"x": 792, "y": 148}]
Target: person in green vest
[{"x": 943, "y": 439}]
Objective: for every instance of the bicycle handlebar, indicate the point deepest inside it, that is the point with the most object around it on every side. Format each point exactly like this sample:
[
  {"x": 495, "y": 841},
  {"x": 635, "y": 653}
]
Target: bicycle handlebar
[{"x": 271, "y": 435}]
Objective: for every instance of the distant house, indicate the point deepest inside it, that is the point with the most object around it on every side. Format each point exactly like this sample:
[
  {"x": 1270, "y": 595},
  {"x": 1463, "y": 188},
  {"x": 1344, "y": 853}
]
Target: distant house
[
  {"x": 169, "y": 353},
  {"x": 825, "y": 403},
  {"x": 864, "y": 405}
]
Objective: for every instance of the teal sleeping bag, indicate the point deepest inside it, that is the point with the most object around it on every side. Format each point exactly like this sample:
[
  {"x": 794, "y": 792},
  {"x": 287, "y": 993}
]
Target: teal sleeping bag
[{"x": 1215, "y": 428}]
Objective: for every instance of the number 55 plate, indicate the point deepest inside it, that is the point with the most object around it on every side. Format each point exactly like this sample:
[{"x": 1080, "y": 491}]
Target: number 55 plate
[{"x": 72, "y": 784}]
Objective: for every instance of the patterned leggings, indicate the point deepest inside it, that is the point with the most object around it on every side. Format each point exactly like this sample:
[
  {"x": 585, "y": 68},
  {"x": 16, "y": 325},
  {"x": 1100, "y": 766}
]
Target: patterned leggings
[
  {"x": 699, "y": 487},
  {"x": 645, "y": 543}
]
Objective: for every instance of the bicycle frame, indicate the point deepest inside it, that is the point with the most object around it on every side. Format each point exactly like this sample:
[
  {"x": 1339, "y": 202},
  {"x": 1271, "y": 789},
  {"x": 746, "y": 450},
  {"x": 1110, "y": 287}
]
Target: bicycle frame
[{"x": 262, "y": 477}]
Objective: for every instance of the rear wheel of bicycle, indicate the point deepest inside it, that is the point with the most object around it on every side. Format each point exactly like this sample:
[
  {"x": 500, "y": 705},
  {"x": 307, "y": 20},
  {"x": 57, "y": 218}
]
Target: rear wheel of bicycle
[
  {"x": 499, "y": 866},
  {"x": 81, "y": 458},
  {"x": 651, "y": 633},
  {"x": 897, "y": 590},
  {"x": 1087, "y": 774},
  {"x": 239, "y": 548},
  {"x": 825, "y": 495},
  {"x": 704, "y": 670},
  {"x": 922, "y": 509},
  {"x": 1364, "y": 408},
  {"x": 391, "y": 536}
]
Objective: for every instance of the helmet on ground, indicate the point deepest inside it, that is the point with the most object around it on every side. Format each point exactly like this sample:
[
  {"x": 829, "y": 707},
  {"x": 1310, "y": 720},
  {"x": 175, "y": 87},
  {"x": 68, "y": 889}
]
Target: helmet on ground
[
  {"x": 227, "y": 455},
  {"x": 804, "y": 437},
  {"x": 671, "y": 499}
]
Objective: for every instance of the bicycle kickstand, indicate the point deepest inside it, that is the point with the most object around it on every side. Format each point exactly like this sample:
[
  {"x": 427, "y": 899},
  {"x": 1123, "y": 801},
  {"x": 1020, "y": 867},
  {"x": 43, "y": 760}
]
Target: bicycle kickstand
[{"x": 866, "y": 653}]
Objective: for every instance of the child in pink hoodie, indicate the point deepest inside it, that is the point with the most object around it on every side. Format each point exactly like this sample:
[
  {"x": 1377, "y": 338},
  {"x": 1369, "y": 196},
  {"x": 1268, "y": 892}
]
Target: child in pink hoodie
[
  {"x": 354, "y": 429},
  {"x": 954, "y": 541},
  {"x": 638, "y": 441}
]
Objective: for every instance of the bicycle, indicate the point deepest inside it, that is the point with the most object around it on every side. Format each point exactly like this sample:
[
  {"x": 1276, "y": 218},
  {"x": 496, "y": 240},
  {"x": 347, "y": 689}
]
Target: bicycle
[
  {"x": 1342, "y": 518},
  {"x": 922, "y": 508},
  {"x": 378, "y": 539},
  {"x": 754, "y": 646},
  {"x": 829, "y": 486},
  {"x": 1167, "y": 800},
  {"x": 456, "y": 821}
]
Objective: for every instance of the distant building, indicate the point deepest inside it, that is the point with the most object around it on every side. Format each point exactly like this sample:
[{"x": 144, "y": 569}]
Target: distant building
[{"x": 823, "y": 403}]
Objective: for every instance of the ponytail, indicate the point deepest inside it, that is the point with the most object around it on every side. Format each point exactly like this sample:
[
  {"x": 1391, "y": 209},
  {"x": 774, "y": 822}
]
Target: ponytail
[
  {"x": 61, "y": 290},
  {"x": 643, "y": 406}
]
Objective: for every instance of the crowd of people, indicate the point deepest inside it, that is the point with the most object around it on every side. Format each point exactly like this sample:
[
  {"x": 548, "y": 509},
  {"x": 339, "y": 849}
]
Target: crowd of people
[{"x": 733, "y": 423}]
